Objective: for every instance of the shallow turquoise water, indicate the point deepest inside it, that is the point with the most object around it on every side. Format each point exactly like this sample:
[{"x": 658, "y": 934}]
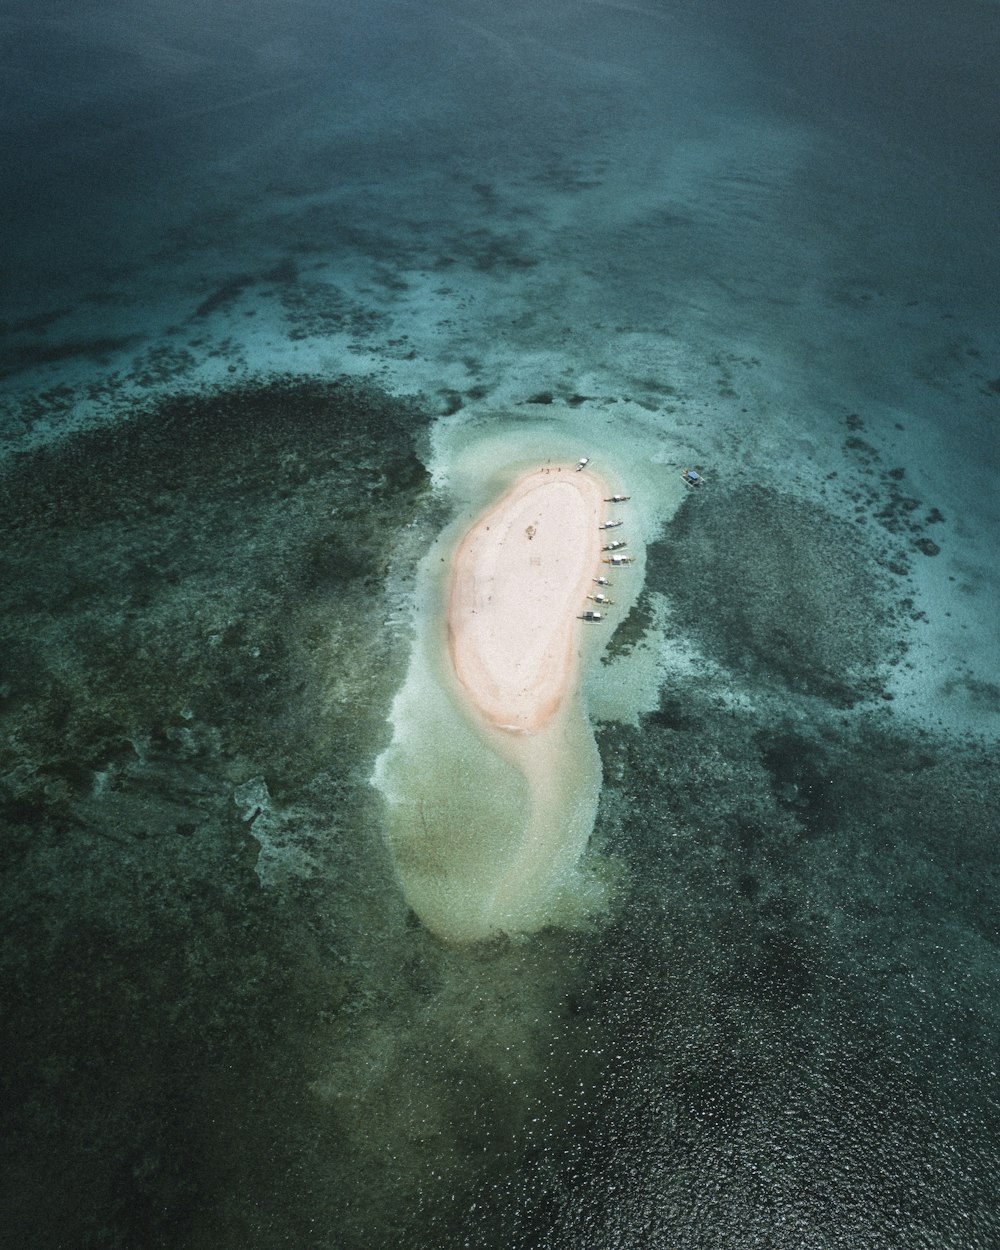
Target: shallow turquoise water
[{"x": 262, "y": 271}]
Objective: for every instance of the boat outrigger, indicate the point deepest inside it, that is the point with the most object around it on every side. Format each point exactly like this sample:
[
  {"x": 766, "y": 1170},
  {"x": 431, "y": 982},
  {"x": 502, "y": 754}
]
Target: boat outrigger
[
  {"x": 617, "y": 561},
  {"x": 590, "y": 616},
  {"x": 602, "y": 581},
  {"x": 616, "y": 545},
  {"x": 601, "y": 599},
  {"x": 610, "y": 525},
  {"x": 618, "y": 498},
  {"x": 582, "y": 463}
]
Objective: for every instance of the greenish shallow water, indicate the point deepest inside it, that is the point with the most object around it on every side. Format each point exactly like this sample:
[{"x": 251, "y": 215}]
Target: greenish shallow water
[
  {"x": 223, "y": 1028},
  {"x": 760, "y": 240}
]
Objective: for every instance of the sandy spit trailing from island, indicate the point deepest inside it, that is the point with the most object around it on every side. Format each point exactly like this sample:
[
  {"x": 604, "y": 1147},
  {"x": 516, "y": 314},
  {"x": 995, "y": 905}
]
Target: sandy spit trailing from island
[
  {"x": 491, "y": 781},
  {"x": 519, "y": 580},
  {"x": 493, "y": 776}
]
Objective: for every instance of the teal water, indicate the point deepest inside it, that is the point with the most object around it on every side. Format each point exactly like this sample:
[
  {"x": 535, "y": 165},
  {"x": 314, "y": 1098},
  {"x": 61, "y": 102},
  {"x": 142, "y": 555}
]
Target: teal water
[{"x": 263, "y": 270}]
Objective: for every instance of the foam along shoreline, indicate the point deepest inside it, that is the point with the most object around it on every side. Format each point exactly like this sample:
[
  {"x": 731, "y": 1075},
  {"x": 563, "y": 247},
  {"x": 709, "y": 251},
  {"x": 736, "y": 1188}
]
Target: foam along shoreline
[{"x": 519, "y": 579}]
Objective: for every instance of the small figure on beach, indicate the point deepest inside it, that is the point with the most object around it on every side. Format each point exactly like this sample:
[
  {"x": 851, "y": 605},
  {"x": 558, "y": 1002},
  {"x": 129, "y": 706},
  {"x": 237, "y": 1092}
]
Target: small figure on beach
[
  {"x": 582, "y": 463},
  {"x": 617, "y": 560},
  {"x": 618, "y": 498},
  {"x": 599, "y": 598},
  {"x": 590, "y": 616},
  {"x": 602, "y": 581},
  {"x": 692, "y": 477},
  {"x": 616, "y": 545},
  {"x": 610, "y": 525}
]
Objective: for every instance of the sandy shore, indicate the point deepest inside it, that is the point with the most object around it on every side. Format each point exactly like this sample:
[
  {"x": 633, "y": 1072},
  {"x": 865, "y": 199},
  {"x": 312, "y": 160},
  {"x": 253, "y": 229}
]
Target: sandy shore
[{"x": 519, "y": 579}]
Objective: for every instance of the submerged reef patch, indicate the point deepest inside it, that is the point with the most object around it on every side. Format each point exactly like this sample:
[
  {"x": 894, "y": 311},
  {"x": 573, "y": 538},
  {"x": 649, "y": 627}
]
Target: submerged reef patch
[
  {"x": 801, "y": 986},
  {"x": 198, "y": 654},
  {"x": 775, "y": 587},
  {"x": 223, "y": 1027}
]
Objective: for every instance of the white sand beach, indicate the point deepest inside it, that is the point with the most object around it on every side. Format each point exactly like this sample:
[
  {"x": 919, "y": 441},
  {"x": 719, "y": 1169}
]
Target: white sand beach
[{"x": 519, "y": 580}]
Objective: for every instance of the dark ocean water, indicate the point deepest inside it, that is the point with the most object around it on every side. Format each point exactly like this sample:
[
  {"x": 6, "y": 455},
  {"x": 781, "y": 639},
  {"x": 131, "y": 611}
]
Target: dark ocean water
[{"x": 256, "y": 261}]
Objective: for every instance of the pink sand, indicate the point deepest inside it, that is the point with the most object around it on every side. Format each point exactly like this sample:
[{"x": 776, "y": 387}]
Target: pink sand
[{"x": 519, "y": 579}]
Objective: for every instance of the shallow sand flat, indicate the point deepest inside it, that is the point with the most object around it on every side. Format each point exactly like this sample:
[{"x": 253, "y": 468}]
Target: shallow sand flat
[
  {"x": 519, "y": 580},
  {"x": 493, "y": 776}
]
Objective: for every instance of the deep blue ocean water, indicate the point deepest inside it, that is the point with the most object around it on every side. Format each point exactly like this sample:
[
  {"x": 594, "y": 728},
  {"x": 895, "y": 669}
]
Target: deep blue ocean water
[{"x": 257, "y": 257}]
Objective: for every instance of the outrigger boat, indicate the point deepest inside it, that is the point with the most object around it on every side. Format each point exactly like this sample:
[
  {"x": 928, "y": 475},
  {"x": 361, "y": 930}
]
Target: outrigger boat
[
  {"x": 616, "y": 545},
  {"x": 617, "y": 561},
  {"x": 591, "y": 616},
  {"x": 582, "y": 463},
  {"x": 610, "y": 525},
  {"x": 601, "y": 599},
  {"x": 618, "y": 498},
  {"x": 601, "y": 581}
]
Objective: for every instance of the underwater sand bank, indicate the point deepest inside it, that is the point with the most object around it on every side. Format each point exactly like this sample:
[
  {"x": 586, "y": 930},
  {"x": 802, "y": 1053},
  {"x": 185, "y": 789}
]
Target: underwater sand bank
[
  {"x": 492, "y": 778},
  {"x": 519, "y": 580}
]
